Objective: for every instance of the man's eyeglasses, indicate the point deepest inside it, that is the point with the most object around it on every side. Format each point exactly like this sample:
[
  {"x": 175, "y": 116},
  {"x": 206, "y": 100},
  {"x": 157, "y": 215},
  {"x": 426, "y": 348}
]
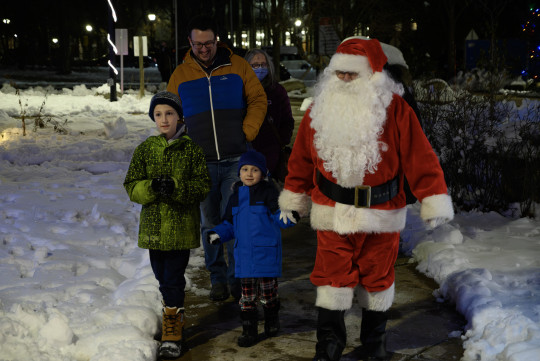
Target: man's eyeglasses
[
  {"x": 259, "y": 65},
  {"x": 207, "y": 44}
]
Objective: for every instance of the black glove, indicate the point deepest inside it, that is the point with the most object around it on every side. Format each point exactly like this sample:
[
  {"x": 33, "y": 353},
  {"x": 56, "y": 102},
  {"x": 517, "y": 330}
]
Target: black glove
[
  {"x": 212, "y": 238},
  {"x": 296, "y": 216},
  {"x": 164, "y": 186}
]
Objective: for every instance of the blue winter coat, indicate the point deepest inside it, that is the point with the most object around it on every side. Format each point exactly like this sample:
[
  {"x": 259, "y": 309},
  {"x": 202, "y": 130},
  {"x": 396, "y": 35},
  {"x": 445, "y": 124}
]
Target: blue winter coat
[{"x": 252, "y": 218}]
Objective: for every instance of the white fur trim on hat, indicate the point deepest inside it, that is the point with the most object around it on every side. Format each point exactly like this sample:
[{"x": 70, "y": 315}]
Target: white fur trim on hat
[
  {"x": 437, "y": 206},
  {"x": 376, "y": 301},
  {"x": 334, "y": 298},
  {"x": 351, "y": 63},
  {"x": 394, "y": 55}
]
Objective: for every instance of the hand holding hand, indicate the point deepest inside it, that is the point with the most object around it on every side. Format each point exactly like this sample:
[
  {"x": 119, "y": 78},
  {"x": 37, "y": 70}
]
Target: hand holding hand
[
  {"x": 289, "y": 215},
  {"x": 212, "y": 238},
  {"x": 436, "y": 222},
  {"x": 164, "y": 185}
]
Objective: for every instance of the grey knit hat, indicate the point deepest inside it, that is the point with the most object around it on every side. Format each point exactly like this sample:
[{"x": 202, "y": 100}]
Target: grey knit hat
[{"x": 167, "y": 98}]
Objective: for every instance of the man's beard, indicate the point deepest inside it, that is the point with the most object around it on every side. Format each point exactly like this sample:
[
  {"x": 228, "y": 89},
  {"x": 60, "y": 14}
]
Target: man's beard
[{"x": 348, "y": 119}]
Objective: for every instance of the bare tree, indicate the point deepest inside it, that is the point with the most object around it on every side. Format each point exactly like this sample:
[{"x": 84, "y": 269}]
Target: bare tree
[
  {"x": 492, "y": 11},
  {"x": 454, "y": 9},
  {"x": 352, "y": 13},
  {"x": 273, "y": 12}
]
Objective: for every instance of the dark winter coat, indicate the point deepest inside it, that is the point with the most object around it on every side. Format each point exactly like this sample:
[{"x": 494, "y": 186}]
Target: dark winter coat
[
  {"x": 171, "y": 223},
  {"x": 252, "y": 219},
  {"x": 224, "y": 108},
  {"x": 280, "y": 115}
]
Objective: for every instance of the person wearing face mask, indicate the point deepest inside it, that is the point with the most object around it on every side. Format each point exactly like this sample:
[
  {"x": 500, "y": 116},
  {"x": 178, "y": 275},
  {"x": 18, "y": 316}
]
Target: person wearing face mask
[{"x": 277, "y": 128}]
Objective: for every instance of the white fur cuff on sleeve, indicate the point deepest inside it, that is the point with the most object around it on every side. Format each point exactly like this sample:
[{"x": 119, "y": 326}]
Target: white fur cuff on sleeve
[
  {"x": 437, "y": 206},
  {"x": 299, "y": 202}
]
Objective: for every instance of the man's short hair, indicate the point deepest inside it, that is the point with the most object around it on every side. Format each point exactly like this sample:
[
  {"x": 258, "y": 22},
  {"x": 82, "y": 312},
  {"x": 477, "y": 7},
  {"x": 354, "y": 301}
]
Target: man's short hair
[{"x": 202, "y": 22}]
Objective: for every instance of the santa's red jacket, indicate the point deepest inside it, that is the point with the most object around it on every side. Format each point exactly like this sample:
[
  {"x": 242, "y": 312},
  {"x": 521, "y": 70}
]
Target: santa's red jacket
[{"x": 409, "y": 153}]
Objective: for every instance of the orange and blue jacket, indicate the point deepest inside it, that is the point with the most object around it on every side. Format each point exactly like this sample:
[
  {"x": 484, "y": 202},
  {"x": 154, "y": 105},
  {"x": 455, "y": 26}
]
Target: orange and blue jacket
[{"x": 224, "y": 106}]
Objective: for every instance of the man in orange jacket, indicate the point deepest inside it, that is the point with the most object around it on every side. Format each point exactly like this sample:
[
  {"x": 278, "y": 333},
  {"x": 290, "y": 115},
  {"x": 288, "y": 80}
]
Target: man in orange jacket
[{"x": 224, "y": 106}]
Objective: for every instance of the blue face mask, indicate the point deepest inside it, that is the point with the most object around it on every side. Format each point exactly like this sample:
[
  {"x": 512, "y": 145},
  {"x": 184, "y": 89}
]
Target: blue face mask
[{"x": 261, "y": 73}]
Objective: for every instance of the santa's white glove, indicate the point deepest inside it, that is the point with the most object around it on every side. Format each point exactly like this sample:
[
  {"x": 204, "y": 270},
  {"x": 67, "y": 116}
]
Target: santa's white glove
[
  {"x": 288, "y": 215},
  {"x": 436, "y": 222},
  {"x": 213, "y": 238}
]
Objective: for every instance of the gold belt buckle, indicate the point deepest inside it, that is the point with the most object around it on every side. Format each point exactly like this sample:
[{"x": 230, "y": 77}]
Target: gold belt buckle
[{"x": 368, "y": 198}]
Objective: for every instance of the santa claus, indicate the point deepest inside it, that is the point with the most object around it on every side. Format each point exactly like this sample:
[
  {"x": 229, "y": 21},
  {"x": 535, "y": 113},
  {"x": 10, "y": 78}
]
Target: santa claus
[{"x": 354, "y": 146}]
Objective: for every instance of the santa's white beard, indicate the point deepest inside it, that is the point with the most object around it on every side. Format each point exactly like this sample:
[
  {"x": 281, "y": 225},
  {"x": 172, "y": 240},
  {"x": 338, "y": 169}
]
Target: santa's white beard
[{"x": 348, "y": 119}]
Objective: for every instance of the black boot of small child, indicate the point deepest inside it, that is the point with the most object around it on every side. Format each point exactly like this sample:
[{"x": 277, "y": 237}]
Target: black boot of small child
[
  {"x": 271, "y": 320},
  {"x": 250, "y": 331}
]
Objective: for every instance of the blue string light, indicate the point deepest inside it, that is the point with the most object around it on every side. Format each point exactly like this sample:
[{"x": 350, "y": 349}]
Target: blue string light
[{"x": 109, "y": 37}]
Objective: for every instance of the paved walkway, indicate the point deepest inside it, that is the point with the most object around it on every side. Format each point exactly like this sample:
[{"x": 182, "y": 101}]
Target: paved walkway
[{"x": 418, "y": 329}]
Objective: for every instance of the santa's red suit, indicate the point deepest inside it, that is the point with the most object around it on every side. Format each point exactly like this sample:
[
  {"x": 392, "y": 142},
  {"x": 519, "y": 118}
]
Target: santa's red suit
[{"x": 358, "y": 246}]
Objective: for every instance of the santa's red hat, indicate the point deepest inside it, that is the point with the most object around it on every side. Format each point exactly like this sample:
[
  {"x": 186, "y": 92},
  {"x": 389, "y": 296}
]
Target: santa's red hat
[{"x": 356, "y": 54}]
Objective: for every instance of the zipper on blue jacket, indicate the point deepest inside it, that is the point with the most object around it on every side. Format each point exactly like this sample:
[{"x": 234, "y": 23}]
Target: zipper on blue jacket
[
  {"x": 213, "y": 118},
  {"x": 212, "y": 104},
  {"x": 208, "y": 76}
]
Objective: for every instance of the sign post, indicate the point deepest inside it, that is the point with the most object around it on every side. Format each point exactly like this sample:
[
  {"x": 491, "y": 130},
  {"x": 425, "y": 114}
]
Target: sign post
[
  {"x": 121, "y": 37},
  {"x": 140, "y": 49}
]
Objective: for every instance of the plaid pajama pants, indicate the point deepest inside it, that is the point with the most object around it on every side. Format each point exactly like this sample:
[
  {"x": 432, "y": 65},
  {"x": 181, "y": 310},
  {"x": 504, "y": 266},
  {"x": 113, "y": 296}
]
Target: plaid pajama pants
[{"x": 262, "y": 289}]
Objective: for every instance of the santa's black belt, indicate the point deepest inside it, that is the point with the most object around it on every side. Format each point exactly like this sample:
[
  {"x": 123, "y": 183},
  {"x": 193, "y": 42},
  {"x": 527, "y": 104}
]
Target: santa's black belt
[{"x": 359, "y": 196}]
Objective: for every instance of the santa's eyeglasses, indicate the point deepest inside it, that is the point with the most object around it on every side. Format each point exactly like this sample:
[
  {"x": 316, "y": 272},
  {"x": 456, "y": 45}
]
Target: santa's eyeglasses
[{"x": 346, "y": 75}]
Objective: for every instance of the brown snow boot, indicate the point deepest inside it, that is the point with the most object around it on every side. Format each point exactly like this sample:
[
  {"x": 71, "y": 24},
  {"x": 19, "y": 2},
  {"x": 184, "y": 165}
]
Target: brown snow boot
[{"x": 171, "y": 338}]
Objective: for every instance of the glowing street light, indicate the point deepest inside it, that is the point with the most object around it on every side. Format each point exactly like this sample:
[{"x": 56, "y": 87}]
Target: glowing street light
[
  {"x": 6, "y": 21},
  {"x": 152, "y": 17},
  {"x": 55, "y": 40},
  {"x": 298, "y": 22},
  {"x": 89, "y": 28}
]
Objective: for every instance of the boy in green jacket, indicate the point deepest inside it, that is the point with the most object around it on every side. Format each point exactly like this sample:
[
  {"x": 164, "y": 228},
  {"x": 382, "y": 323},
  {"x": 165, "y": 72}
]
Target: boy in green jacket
[{"x": 169, "y": 177}]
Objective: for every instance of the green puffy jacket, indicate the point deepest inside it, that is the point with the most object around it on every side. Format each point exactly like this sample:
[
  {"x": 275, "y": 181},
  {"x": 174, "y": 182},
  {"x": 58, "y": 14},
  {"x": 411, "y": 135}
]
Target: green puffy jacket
[{"x": 171, "y": 223}]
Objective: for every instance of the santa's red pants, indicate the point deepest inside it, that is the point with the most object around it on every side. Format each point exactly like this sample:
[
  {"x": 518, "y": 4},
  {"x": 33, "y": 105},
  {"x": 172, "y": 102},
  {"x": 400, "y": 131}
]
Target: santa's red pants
[{"x": 359, "y": 258}]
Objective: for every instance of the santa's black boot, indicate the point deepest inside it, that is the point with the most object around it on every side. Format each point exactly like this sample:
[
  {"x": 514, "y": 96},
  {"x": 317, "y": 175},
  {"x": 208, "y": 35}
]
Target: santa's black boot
[
  {"x": 331, "y": 335},
  {"x": 271, "y": 320},
  {"x": 373, "y": 335},
  {"x": 250, "y": 329}
]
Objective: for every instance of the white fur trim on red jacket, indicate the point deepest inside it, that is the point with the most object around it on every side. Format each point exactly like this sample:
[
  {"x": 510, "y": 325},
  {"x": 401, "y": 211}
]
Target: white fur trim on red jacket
[
  {"x": 345, "y": 219},
  {"x": 437, "y": 206},
  {"x": 299, "y": 202}
]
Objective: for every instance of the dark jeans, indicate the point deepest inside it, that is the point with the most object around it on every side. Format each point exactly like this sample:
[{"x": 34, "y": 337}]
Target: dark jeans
[
  {"x": 169, "y": 268},
  {"x": 224, "y": 174}
]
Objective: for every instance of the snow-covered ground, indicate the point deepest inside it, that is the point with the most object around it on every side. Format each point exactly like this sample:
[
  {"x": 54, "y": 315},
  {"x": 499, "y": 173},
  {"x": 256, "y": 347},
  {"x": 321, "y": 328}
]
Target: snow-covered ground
[{"x": 74, "y": 285}]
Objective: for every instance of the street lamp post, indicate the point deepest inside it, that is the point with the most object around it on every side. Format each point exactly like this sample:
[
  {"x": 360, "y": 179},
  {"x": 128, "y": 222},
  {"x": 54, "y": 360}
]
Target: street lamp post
[{"x": 152, "y": 18}]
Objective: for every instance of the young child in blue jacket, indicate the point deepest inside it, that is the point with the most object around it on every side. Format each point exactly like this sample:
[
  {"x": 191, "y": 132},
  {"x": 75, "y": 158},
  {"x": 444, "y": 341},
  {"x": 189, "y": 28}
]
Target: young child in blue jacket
[{"x": 254, "y": 220}]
